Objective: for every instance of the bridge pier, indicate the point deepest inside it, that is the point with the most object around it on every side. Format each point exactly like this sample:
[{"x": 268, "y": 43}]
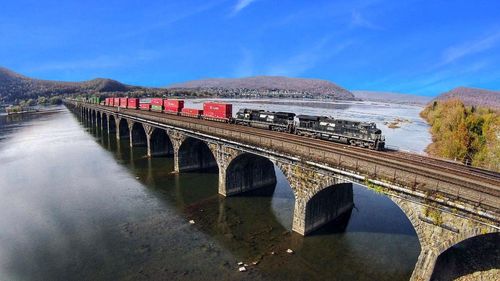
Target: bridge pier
[
  {"x": 149, "y": 131},
  {"x": 319, "y": 197},
  {"x": 425, "y": 265},
  {"x": 177, "y": 140}
]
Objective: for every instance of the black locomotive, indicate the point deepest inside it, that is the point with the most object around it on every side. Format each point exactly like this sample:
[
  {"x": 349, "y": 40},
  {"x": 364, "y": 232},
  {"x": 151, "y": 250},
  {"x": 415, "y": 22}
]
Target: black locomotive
[
  {"x": 275, "y": 121},
  {"x": 356, "y": 133}
]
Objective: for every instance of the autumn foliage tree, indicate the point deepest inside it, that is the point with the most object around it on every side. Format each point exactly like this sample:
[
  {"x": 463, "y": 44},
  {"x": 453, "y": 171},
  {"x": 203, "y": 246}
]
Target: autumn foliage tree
[{"x": 464, "y": 133}]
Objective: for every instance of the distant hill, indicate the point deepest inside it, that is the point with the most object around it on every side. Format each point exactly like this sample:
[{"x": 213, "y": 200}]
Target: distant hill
[
  {"x": 267, "y": 86},
  {"x": 16, "y": 86},
  {"x": 474, "y": 96},
  {"x": 391, "y": 97}
]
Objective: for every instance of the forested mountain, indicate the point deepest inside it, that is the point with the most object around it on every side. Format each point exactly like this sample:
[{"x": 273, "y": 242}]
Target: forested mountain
[
  {"x": 16, "y": 86},
  {"x": 473, "y": 96}
]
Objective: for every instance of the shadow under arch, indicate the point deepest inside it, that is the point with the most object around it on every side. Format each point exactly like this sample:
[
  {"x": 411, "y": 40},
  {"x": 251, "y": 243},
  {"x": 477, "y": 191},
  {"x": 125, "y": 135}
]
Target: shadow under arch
[
  {"x": 139, "y": 137},
  {"x": 124, "y": 129},
  {"x": 98, "y": 119},
  {"x": 252, "y": 175},
  {"x": 160, "y": 143},
  {"x": 478, "y": 253},
  {"x": 329, "y": 204},
  {"x": 248, "y": 172},
  {"x": 195, "y": 155},
  {"x": 104, "y": 121},
  {"x": 112, "y": 124}
]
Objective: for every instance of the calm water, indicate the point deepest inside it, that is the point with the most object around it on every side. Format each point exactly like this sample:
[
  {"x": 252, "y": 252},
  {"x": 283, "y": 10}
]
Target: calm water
[{"x": 77, "y": 205}]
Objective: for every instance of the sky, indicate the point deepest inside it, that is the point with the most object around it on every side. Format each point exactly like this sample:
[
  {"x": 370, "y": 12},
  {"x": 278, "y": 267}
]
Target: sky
[{"x": 415, "y": 47}]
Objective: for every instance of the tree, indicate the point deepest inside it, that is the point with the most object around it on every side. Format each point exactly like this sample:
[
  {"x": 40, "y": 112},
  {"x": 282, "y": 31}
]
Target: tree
[{"x": 468, "y": 134}]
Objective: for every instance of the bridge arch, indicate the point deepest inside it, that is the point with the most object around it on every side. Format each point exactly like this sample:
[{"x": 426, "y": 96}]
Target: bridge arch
[
  {"x": 104, "y": 120},
  {"x": 194, "y": 154},
  {"x": 316, "y": 202},
  {"x": 247, "y": 172},
  {"x": 327, "y": 205},
  {"x": 139, "y": 137},
  {"x": 437, "y": 231},
  {"x": 160, "y": 143},
  {"x": 455, "y": 261},
  {"x": 111, "y": 123},
  {"x": 98, "y": 119},
  {"x": 123, "y": 129}
]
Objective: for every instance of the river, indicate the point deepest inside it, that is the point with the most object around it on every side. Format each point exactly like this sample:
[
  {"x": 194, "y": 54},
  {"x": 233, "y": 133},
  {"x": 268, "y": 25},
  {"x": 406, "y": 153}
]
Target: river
[{"x": 78, "y": 205}]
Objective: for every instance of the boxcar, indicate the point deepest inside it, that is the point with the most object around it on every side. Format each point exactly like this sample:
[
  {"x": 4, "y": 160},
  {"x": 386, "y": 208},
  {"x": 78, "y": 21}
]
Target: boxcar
[
  {"x": 173, "y": 106},
  {"x": 133, "y": 103},
  {"x": 217, "y": 111}
]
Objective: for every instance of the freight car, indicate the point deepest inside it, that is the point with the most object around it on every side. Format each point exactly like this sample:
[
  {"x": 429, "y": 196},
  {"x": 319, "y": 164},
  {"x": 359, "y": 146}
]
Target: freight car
[
  {"x": 355, "y": 133},
  {"x": 221, "y": 112},
  {"x": 275, "y": 121},
  {"x": 192, "y": 112}
]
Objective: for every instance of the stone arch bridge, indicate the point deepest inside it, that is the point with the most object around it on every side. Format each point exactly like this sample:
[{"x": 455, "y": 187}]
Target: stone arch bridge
[{"x": 445, "y": 206}]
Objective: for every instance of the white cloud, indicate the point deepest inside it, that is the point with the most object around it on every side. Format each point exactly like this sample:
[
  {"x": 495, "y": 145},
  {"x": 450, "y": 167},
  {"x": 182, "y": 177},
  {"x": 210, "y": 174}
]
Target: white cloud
[
  {"x": 358, "y": 20},
  {"x": 307, "y": 59},
  {"x": 240, "y": 5},
  {"x": 457, "y": 52}
]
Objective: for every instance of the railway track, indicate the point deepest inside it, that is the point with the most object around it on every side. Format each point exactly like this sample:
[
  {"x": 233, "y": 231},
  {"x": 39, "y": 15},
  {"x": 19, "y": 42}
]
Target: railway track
[{"x": 448, "y": 164}]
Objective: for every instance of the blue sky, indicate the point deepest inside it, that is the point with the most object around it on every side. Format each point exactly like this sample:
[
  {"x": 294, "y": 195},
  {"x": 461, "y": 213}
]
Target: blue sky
[{"x": 411, "y": 46}]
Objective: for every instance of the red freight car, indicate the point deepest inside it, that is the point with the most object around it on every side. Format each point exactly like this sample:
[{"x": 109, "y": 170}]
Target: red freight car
[
  {"x": 157, "y": 104},
  {"x": 123, "y": 102},
  {"x": 191, "y": 112},
  {"x": 116, "y": 101},
  {"x": 145, "y": 106},
  {"x": 173, "y": 106},
  {"x": 157, "y": 101},
  {"x": 133, "y": 103},
  {"x": 217, "y": 111}
]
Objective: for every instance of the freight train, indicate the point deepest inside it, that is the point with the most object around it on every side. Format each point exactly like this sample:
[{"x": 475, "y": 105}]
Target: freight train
[{"x": 362, "y": 134}]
